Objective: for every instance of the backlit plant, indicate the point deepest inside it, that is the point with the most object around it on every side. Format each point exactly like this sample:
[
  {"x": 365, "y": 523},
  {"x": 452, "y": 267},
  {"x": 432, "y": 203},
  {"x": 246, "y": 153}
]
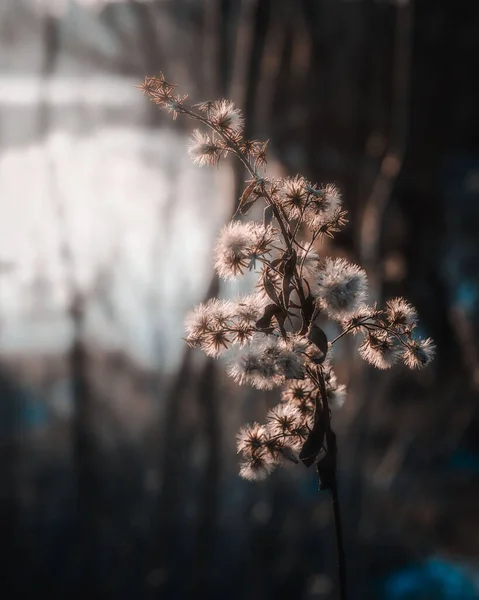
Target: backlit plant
[{"x": 271, "y": 336}]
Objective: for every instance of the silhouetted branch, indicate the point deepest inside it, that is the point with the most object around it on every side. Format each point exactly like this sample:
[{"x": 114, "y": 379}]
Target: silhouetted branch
[{"x": 392, "y": 161}]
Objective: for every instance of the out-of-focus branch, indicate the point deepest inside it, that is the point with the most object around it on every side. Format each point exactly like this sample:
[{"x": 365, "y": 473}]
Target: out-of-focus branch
[
  {"x": 147, "y": 39},
  {"x": 369, "y": 240},
  {"x": 209, "y": 85},
  {"x": 242, "y": 52},
  {"x": 173, "y": 451},
  {"x": 164, "y": 514},
  {"x": 83, "y": 442},
  {"x": 392, "y": 161},
  {"x": 208, "y": 495},
  {"x": 269, "y": 64}
]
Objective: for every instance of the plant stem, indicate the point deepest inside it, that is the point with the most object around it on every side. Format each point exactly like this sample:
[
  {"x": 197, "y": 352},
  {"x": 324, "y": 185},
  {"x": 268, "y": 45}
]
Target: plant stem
[
  {"x": 339, "y": 540},
  {"x": 327, "y": 472}
]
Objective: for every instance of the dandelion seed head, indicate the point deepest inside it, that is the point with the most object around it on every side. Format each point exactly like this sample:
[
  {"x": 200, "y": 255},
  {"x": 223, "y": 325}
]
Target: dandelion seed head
[
  {"x": 255, "y": 368},
  {"x": 239, "y": 244},
  {"x": 245, "y": 367},
  {"x": 292, "y": 195},
  {"x": 242, "y": 333},
  {"x": 322, "y": 205},
  {"x": 283, "y": 420},
  {"x": 226, "y": 116},
  {"x": 267, "y": 345},
  {"x": 400, "y": 312},
  {"x": 341, "y": 287},
  {"x": 250, "y": 439},
  {"x": 301, "y": 395},
  {"x": 285, "y": 416},
  {"x": 248, "y": 308},
  {"x": 419, "y": 353},
  {"x": 231, "y": 250},
  {"x": 203, "y": 149},
  {"x": 219, "y": 311},
  {"x": 257, "y": 468},
  {"x": 379, "y": 349},
  {"x": 297, "y": 390},
  {"x": 333, "y": 198},
  {"x": 291, "y": 356},
  {"x": 174, "y": 104},
  {"x": 215, "y": 342},
  {"x": 197, "y": 321},
  {"x": 263, "y": 238},
  {"x": 267, "y": 361},
  {"x": 299, "y": 344},
  {"x": 354, "y": 320},
  {"x": 207, "y": 326}
]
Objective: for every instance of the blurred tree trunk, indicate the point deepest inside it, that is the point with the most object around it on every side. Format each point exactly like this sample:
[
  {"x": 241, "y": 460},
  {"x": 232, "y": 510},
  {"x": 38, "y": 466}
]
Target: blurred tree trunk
[
  {"x": 208, "y": 504},
  {"x": 84, "y": 444},
  {"x": 10, "y": 484},
  {"x": 85, "y": 455}
]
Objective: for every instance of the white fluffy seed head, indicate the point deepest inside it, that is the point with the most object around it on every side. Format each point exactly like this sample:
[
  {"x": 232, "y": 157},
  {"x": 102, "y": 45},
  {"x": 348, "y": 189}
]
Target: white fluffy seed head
[
  {"x": 290, "y": 358},
  {"x": 216, "y": 342},
  {"x": 250, "y": 439},
  {"x": 286, "y": 424},
  {"x": 400, "y": 312},
  {"x": 203, "y": 149},
  {"x": 197, "y": 321},
  {"x": 297, "y": 390},
  {"x": 239, "y": 245},
  {"x": 292, "y": 195},
  {"x": 333, "y": 198},
  {"x": 252, "y": 369},
  {"x": 361, "y": 315},
  {"x": 301, "y": 394},
  {"x": 379, "y": 349},
  {"x": 283, "y": 419},
  {"x": 232, "y": 249},
  {"x": 226, "y": 116},
  {"x": 207, "y": 326},
  {"x": 258, "y": 467},
  {"x": 248, "y": 308},
  {"x": 419, "y": 353},
  {"x": 341, "y": 288},
  {"x": 219, "y": 311},
  {"x": 267, "y": 361},
  {"x": 322, "y": 205}
]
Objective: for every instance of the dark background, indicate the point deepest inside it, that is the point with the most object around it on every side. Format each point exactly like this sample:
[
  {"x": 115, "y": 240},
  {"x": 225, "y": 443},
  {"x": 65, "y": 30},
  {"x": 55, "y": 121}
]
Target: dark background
[{"x": 117, "y": 463}]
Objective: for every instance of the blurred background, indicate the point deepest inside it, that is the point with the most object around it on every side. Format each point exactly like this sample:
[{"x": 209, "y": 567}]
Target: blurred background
[{"x": 118, "y": 467}]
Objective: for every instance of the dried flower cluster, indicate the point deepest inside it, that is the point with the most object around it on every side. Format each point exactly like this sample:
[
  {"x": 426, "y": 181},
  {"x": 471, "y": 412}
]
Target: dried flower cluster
[{"x": 272, "y": 335}]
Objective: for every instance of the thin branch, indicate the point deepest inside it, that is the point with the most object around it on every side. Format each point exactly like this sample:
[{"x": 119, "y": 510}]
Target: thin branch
[{"x": 393, "y": 159}]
